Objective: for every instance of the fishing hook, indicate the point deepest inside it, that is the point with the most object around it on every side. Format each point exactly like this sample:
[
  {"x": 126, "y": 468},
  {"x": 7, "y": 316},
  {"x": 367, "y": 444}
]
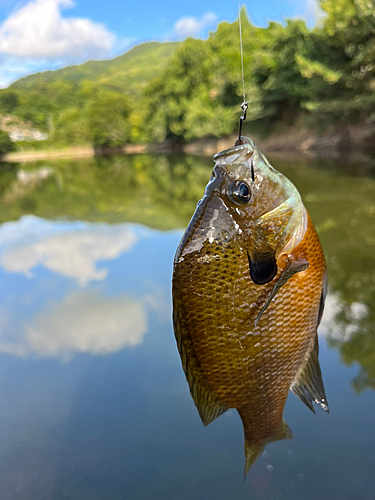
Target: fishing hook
[{"x": 244, "y": 107}]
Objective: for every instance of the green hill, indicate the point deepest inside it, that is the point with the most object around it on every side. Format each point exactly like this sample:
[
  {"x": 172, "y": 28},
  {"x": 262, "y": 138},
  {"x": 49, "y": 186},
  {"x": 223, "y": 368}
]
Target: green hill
[
  {"x": 128, "y": 73},
  {"x": 92, "y": 103}
]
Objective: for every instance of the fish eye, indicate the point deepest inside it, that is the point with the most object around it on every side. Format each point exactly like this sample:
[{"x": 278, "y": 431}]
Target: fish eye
[{"x": 239, "y": 192}]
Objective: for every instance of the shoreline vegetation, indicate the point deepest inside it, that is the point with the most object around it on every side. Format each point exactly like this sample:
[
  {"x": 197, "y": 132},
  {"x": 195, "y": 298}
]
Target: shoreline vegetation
[
  {"x": 311, "y": 90},
  {"x": 290, "y": 141}
]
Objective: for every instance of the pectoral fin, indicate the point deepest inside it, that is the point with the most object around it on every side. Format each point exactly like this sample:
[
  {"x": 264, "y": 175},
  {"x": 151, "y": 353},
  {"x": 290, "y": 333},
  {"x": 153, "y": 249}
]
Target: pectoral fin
[
  {"x": 308, "y": 385},
  {"x": 292, "y": 267}
]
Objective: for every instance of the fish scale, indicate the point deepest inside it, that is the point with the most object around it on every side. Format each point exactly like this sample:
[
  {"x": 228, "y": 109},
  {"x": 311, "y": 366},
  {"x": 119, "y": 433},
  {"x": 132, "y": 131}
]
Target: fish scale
[{"x": 232, "y": 359}]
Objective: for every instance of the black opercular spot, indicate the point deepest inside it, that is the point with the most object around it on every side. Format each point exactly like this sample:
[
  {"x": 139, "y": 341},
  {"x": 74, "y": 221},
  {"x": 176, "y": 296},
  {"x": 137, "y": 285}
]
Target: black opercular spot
[{"x": 263, "y": 267}]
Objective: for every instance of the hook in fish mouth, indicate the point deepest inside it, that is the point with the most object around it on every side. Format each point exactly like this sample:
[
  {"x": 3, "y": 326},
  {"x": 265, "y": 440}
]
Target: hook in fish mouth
[{"x": 247, "y": 148}]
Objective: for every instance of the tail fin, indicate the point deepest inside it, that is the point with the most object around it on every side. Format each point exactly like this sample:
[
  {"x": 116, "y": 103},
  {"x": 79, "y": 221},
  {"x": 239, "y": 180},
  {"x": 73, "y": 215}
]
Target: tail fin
[
  {"x": 254, "y": 450},
  {"x": 252, "y": 453}
]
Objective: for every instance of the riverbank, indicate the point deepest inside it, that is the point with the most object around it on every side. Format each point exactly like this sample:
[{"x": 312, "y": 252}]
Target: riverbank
[
  {"x": 72, "y": 152},
  {"x": 288, "y": 140},
  {"x": 297, "y": 140}
]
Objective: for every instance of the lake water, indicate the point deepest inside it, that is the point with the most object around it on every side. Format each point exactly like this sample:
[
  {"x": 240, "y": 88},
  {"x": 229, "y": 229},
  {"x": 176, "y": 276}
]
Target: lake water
[{"x": 93, "y": 401}]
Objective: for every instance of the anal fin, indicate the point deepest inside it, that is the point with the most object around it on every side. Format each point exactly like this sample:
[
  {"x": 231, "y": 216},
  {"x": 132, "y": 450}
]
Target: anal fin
[
  {"x": 208, "y": 410},
  {"x": 308, "y": 385}
]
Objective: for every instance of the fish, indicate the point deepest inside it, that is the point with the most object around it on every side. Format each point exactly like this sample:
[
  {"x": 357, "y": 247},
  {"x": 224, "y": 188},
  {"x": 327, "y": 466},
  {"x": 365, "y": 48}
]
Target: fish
[{"x": 249, "y": 285}]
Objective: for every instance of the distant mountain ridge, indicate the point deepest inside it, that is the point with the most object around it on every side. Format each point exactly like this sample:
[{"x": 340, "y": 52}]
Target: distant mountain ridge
[{"x": 129, "y": 72}]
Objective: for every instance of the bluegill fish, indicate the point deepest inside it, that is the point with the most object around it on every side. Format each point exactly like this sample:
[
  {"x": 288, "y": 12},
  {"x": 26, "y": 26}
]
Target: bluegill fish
[{"x": 249, "y": 284}]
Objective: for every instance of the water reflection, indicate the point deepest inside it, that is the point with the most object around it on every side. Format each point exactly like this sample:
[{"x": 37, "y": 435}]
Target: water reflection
[
  {"x": 350, "y": 330},
  {"x": 62, "y": 299},
  {"x": 161, "y": 192},
  {"x": 26, "y": 181},
  {"x": 82, "y": 322},
  {"x": 156, "y": 191},
  {"x": 71, "y": 249},
  {"x": 93, "y": 399}
]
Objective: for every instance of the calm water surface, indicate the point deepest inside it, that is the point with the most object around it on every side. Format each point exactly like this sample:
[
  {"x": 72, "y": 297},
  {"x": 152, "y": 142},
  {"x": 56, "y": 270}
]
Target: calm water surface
[{"x": 93, "y": 401}]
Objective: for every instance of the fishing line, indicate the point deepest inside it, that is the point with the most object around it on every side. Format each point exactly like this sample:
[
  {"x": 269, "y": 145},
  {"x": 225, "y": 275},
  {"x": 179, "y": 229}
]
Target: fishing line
[
  {"x": 240, "y": 26},
  {"x": 244, "y": 105}
]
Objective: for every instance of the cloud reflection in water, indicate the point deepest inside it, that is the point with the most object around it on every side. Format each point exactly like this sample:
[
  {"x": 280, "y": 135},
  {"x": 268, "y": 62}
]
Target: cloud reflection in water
[
  {"x": 335, "y": 307},
  {"x": 71, "y": 249},
  {"x": 86, "y": 322},
  {"x": 50, "y": 316}
]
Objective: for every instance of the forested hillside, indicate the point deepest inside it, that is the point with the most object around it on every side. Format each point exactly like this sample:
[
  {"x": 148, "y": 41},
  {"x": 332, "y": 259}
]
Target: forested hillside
[
  {"x": 128, "y": 72},
  {"x": 179, "y": 92},
  {"x": 90, "y": 103}
]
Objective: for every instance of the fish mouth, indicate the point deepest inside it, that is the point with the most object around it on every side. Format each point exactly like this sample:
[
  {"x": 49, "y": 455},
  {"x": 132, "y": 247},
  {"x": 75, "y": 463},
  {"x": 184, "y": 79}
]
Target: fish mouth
[
  {"x": 211, "y": 223},
  {"x": 237, "y": 153}
]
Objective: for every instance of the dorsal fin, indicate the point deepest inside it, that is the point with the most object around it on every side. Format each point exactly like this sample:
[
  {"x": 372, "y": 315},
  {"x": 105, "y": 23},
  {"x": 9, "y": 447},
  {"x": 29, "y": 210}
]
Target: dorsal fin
[
  {"x": 322, "y": 298},
  {"x": 209, "y": 408},
  {"x": 308, "y": 385}
]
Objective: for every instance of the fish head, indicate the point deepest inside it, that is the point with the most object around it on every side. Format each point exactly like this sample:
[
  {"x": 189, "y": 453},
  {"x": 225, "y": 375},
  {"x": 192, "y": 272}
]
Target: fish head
[{"x": 248, "y": 203}]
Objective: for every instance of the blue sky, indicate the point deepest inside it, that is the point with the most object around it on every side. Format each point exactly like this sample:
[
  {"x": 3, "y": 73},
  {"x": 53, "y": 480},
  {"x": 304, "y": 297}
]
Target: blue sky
[{"x": 46, "y": 34}]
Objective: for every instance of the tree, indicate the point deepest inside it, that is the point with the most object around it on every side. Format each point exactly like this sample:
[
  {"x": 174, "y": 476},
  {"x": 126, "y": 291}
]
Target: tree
[
  {"x": 6, "y": 145},
  {"x": 346, "y": 44},
  {"x": 108, "y": 119},
  {"x": 8, "y": 101}
]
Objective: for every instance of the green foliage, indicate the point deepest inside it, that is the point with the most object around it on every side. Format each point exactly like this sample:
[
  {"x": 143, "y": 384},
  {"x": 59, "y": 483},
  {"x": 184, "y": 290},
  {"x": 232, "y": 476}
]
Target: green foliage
[
  {"x": 346, "y": 46},
  {"x": 277, "y": 72},
  {"x": 290, "y": 70},
  {"x": 182, "y": 104},
  {"x": 127, "y": 73},
  {"x": 70, "y": 103},
  {"x": 185, "y": 91},
  {"x": 199, "y": 92},
  {"x": 8, "y": 101},
  {"x": 6, "y": 145},
  {"x": 108, "y": 120}
]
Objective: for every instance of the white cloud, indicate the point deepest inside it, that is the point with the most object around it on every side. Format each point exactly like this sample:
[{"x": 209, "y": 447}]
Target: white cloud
[
  {"x": 72, "y": 249},
  {"x": 38, "y": 31},
  {"x": 309, "y": 10},
  {"x": 190, "y": 26}
]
